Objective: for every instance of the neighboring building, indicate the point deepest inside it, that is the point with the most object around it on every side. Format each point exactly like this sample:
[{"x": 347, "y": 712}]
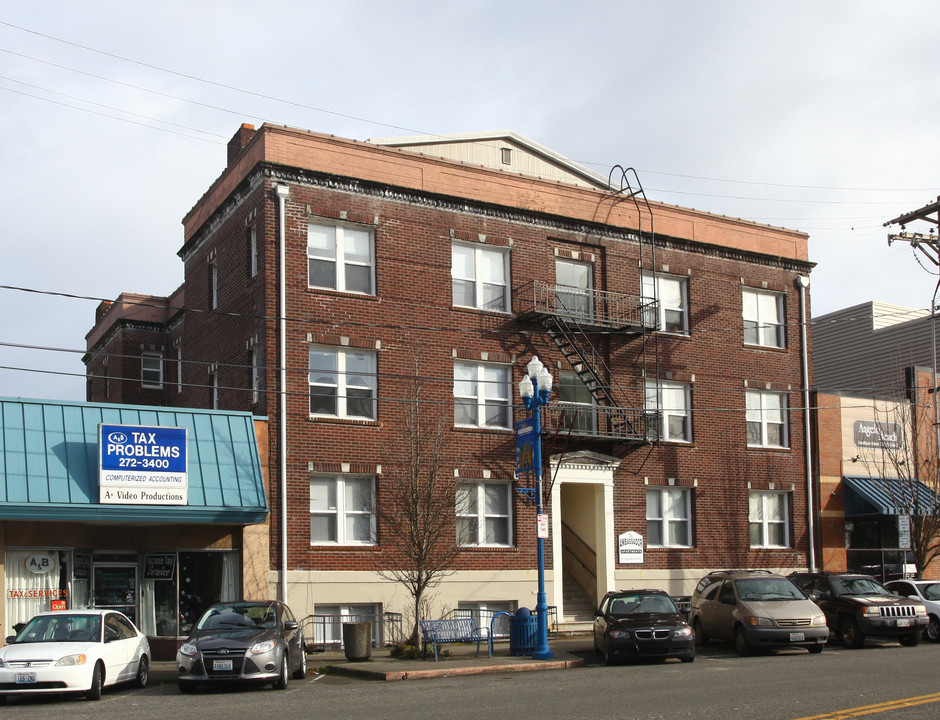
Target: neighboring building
[
  {"x": 673, "y": 335},
  {"x": 156, "y": 545},
  {"x": 874, "y": 416}
]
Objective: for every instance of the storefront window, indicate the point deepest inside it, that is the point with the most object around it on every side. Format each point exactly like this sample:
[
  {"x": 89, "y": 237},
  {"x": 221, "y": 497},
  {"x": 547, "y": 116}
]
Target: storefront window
[
  {"x": 206, "y": 578},
  {"x": 37, "y": 579}
]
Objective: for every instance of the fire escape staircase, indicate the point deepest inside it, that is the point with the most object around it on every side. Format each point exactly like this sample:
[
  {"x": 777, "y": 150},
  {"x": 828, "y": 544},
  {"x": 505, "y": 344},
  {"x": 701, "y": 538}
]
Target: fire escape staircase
[{"x": 568, "y": 325}]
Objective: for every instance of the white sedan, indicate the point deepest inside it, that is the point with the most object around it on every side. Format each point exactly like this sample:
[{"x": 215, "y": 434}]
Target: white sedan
[
  {"x": 928, "y": 592},
  {"x": 80, "y": 651}
]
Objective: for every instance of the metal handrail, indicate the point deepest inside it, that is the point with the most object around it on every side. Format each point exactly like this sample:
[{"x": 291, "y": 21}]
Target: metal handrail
[{"x": 596, "y": 308}]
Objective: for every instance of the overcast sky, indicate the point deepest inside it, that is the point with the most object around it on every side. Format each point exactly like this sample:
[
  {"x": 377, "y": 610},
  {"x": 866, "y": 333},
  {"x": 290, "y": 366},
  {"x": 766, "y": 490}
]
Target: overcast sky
[{"x": 818, "y": 116}]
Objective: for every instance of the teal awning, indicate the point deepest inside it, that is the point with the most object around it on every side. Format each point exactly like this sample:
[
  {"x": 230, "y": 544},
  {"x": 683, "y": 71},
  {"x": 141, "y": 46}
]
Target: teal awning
[
  {"x": 883, "y": 496},
  {"x": 49, "y": 464}
]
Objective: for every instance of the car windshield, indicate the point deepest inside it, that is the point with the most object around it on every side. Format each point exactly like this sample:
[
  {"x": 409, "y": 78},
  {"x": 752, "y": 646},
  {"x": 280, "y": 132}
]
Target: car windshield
[
  {"x": 857, "y": 586},
  {"x": 640, "y": 604},
  {"x": 931, "y": 591},
  {"x": 240, "y": 615},
  {"x": 61, "y": 628},
  {"x": 768, "y": 589}
]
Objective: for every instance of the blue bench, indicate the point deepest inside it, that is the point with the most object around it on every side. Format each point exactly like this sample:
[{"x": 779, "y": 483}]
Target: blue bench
[{"x": 451, "y": 631}]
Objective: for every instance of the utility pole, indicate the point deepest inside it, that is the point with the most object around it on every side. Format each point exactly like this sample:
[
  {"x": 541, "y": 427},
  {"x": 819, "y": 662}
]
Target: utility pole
[{"x": 929, "y": 246}]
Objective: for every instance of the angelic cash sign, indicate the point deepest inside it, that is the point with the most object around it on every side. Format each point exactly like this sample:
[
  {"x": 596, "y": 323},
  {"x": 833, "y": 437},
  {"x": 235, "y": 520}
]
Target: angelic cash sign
[{"x": 874, "y": 434}]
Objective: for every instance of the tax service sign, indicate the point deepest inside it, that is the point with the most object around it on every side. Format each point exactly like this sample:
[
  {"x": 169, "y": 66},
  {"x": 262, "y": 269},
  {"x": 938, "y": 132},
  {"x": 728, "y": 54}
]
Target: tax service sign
[{"x": 140, "y": 465}]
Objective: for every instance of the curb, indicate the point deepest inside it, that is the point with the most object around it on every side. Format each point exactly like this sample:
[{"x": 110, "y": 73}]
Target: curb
[{"x": 366, "y": 674}]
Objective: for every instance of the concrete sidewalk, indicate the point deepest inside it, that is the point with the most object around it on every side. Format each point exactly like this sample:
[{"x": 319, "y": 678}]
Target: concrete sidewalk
[{"x": 461, "y": 659}]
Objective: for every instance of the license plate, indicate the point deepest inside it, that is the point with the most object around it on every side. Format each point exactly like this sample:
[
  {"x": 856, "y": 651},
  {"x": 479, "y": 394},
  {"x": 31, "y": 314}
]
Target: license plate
[
  {"x": 221, "y": 665},
  {"x": 797, "y": 637},
  {"x": 25, "y": 678},
  {"x": 904, "y": 622}
]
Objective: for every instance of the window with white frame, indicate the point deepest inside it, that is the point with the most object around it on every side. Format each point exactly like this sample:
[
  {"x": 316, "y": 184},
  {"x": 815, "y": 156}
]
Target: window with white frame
[
  {"x": 671, "y": 291},
  {"x": 673, "y": 401},
  {"x": 669, "y": 517},
  {"x": 482, "y": 395},
  {"x": 768, "y": 517},
  {"x": 576, "y": 402},
  {"x": 479, "y": 276},
  {"x": 342, "y": 510},
  {"x": 151, "y": 370},
  {"x": 213, "y": 285},
  {"x": 484, "y": 513},
  {"x": 252, "y": 251},
  {"x": 763, "y": 318},
  {"x": 766, "y": 414},
  {"x": 255, "y": 374},
  {"x": 342, "y": 382},
  {"x": 340, "y": 258}
]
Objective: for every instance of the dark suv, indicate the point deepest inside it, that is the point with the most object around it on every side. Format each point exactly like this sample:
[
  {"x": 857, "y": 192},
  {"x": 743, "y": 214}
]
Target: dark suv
[
  {"x": 858, "y": 605},
  {"x": 756, "y": 609}
]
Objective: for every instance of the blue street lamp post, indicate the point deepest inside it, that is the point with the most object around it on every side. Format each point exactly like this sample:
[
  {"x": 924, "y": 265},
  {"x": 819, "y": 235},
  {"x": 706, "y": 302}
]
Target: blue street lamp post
[{"x": 534, "y": 389}]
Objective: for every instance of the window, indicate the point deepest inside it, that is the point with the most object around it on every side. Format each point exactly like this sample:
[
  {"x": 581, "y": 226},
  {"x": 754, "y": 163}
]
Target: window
[
  {"x": 668, "y": 517},
  {"x": 340, "y": 258},
  {"x": 506, "y": 155},
  {"x": 768, "y": 517},
  {"x": 151, "y": 370},
  {"x": 766, "y": 414},
  {"x": 484, "y": 513},
  {"x": 763, "y": 318},
  {"x": 481, "y": 395},
  {"x": 255, "y": 374},
  {"x": 179, "y": 369},
  {"x": 213, "y": 285},
  {"x": 577, "y": 403},
  {"x": 214, "y": 387},
  {"x": 252, "y": 251},
  {"x": 485, "y": 613},
  {"x": 573, "y": 284},
  {"x": 672, "y": 293},
  {"x": 479, "y": 277},
  {"x": 342, "y": 383},
  {"x": 342, "y": 510},
  {"x": 672, "y": 400}
]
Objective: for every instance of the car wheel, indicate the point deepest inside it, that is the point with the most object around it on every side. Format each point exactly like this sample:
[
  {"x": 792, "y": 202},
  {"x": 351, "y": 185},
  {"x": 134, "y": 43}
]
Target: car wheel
[
  {"x": 740, "y": 642},
  {"x": 701, "y": 637},
  {"x": 281, "y": 682},
  {"x": 933, "y": 629},
  {"x": 301, "y": 672},
  {"x": 852, "y": 636},
  {"x": 97, "y": 683},
  {"x": 910, "y": 640},
  {"x": 815, "y": 649},
  {"x": 687, "y": 658},
  {"x": 186, "y": 688},
  {"x": 143, "y": 672}
]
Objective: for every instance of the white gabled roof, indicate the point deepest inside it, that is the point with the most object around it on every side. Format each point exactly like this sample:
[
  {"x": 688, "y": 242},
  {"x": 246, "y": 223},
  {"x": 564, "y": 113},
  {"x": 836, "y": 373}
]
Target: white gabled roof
[{"x": 485, "y": 149}]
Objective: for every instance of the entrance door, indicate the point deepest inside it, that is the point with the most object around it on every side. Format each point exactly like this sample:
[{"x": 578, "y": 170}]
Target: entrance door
[{"x": 114, "y": 586}]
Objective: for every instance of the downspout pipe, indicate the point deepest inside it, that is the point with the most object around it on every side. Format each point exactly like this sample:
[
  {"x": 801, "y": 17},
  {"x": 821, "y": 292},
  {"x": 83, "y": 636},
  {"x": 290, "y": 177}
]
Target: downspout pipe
[
  {"x": 802, "y": 283},
  {"x": 283, "y": 192}
]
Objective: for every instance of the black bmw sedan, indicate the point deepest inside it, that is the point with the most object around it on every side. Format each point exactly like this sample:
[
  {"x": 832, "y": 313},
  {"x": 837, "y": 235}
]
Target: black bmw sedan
[
  {"x": 641, "y": 624},
  {"x": 243, "y": 641}
]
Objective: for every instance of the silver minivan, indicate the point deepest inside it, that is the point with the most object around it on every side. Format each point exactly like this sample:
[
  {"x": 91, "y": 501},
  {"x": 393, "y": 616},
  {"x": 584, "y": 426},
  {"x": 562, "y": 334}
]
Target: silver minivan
[{"x": 756, "y": 609}]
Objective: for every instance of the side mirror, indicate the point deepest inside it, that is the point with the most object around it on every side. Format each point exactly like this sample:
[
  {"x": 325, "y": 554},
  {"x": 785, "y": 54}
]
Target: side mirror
[
  {"x": 598, "y": 613},
  {"x": 291, "y": 625},
  {"x": 186, "y": 629},
  {"x": 9, "y": 639}
]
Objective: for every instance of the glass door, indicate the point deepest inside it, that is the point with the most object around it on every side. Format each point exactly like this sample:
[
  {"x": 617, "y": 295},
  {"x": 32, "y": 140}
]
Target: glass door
[{"x": 114, "y": 586}]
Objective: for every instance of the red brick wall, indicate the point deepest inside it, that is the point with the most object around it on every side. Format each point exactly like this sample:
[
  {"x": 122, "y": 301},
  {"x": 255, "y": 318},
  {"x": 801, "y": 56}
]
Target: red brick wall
[{"x": 412, "y": 308}]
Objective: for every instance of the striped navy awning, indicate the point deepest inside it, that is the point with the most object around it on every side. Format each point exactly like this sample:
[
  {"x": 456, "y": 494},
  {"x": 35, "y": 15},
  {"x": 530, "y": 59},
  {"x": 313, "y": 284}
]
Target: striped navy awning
[{"x": 887, "y": 496}]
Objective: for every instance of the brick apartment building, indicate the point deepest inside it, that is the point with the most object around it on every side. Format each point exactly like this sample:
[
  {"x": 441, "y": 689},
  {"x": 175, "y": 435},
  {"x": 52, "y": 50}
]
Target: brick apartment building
[{"x": 445, "y": 263}]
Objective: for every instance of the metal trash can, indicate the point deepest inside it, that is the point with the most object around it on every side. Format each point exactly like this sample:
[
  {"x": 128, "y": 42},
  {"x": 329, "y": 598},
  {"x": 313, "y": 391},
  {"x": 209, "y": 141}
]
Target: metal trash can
[{"x": 523, "y": 627}]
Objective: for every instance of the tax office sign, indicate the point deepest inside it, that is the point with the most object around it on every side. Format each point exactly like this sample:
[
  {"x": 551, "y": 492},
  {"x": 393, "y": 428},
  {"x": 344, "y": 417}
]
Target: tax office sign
[{"x": 140, "y": 465}]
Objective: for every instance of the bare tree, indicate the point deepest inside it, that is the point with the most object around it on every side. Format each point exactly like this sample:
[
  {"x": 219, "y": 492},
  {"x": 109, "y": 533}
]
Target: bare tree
[
  {"x": 901, "y": 457},
  {"x": 417, "y": 508}
]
